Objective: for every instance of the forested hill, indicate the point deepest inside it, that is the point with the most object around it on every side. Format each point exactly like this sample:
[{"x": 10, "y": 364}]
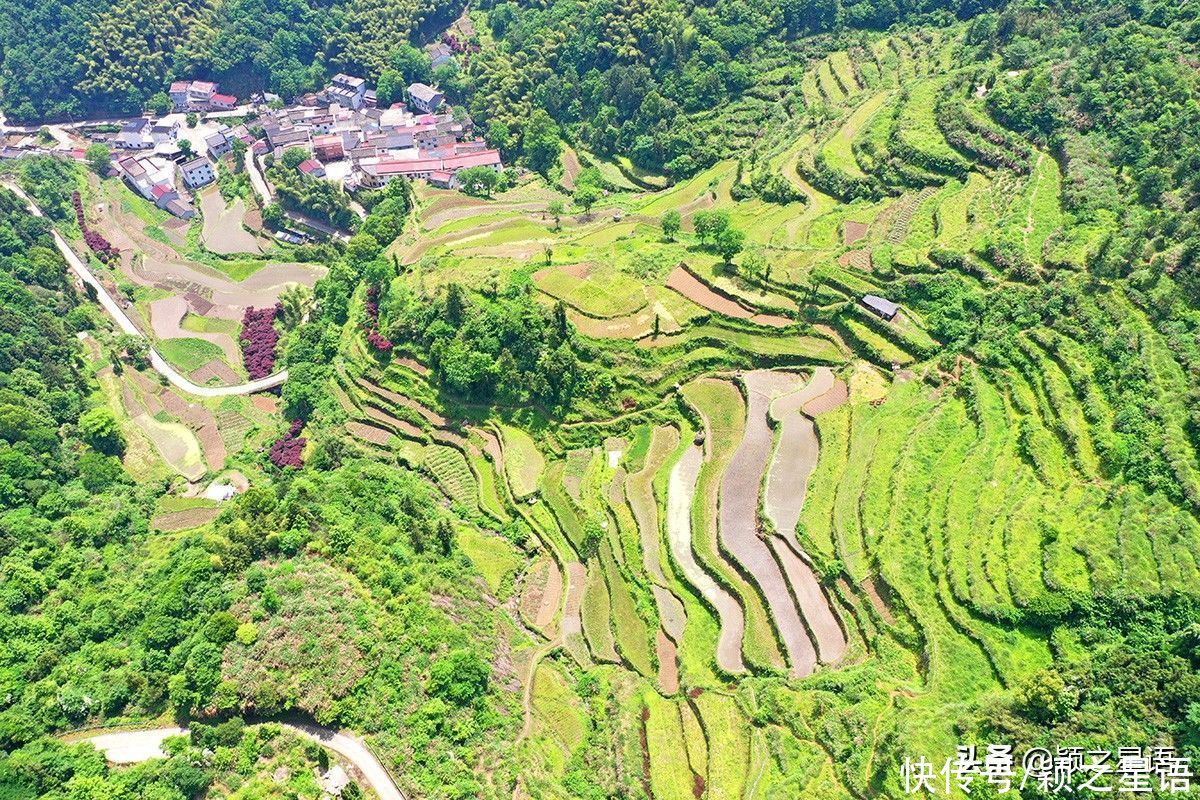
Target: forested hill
[{"x": 70, "y": 57}]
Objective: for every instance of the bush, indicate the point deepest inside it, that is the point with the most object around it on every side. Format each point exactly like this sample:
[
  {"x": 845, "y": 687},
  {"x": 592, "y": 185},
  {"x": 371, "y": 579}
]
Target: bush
[{"x": 258, "y": 340}]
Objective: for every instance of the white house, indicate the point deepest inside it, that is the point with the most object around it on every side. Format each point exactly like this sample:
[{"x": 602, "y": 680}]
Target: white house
[
  {"x": 425, "y": 99},
  {"x": 198, "y": 172}
]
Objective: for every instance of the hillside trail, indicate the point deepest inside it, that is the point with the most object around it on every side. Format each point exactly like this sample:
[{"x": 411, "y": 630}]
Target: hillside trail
[
  {"x": 127, "y": 326},
  {"x": 136, "y": 746}
]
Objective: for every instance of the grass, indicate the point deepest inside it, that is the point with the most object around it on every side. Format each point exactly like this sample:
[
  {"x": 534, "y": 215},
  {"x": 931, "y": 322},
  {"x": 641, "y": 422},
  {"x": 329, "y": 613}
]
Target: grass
[
  {"x": 561, "y": 720},
  {"x": 917, "y": 124},
  {"x": 632, "y": 635},
  {"x": 523, "y": 463},
  {"x": 796, "y": 346},
  {"x": 450, "y": 469},
  {"x": 236, "y": 269},
  {"x": 607, "y": 293},
  {"x": 839, "y": 62},
  {"x": 672, "y": 777},
  {"x": 495, "y": 558},
  {"x": 188, "y": 354},
  {"x": 838, "y": 151},
  {"x": 597, "y": 614},
  {"x": 728, "y": 763},
  {"x": 199, "y": 324}
]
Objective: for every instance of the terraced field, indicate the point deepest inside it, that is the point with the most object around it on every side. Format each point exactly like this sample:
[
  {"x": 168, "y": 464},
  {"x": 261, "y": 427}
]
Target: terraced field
[{"x": 807, "y": 534}]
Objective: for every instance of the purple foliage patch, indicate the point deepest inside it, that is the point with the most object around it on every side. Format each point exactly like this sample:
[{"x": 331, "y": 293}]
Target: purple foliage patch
[
  {"x": 98, "y": 244},
  {"x": 258, "y": 339},
  {"x": 287, "y": 451},
  {"x": 374, "y": 337}
]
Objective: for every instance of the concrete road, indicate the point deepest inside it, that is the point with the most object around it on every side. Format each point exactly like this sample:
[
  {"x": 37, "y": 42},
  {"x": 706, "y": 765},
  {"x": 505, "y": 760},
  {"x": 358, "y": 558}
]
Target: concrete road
[{"x": 126, "y": 324}]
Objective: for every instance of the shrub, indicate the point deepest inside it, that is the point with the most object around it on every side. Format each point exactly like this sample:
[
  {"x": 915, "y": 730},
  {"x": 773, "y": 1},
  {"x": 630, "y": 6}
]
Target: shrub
[
  {"x": 258, "y": 340},
  {"x": 289, "y": 449},
  {"x": 97, "y": 243}
]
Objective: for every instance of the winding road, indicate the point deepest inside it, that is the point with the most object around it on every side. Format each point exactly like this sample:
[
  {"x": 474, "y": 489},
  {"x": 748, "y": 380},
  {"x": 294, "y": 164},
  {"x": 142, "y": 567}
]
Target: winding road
[
  {"x": 132, "y": 747},
  {"x": 126, "y": 324}
]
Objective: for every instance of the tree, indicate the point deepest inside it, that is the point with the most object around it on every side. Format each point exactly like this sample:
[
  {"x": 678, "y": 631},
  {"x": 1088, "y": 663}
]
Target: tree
[
  {"x": 390, "y": 87},
  {"x": 671, "y": 223},
  {"x": 159, "y": 103},
  {"x": 238, "y": 148},
  {"x": 460, "y": 676},
  {"x": 185, "y": 147},
  {"x": 192, "y": 119},
  {"x": 709, "y": 225},
  {"x": 586, "y": 196},
  {"x": 728, "y": 243},
  {"x": 297, "y": 302},
  {"x": 499, "y": 136},
  {"x": 412, "y": 64},
  {"x": 478, "y": 181},
  {"x": 293, "y": 157},
  {"x": 754, "y": 264},
  {"x": 100, "y": 430},
  {"x": 273, "y": 216},
  {"x": 99, "y": 158},
  {"x": 556, "y": 209},
  {"x": 541, "y": 142}
]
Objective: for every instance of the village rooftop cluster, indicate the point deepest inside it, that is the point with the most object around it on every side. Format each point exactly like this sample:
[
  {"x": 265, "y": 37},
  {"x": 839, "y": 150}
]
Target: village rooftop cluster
[{"x": 348, "y": 138}]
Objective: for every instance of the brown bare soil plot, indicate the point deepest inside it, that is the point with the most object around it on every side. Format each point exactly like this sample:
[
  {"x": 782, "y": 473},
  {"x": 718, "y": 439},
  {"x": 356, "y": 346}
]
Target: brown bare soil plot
[
  {"x": 670, "y": 612},
  {"x": 856, "y": 259},
  {"x": 853, "y": 231},
  {"x": 267, "y": 403},
  {"x": 739, "y": 515},
  {"x": 433, "y": 417},
  {"x": 705, "y": 296},
  {"x": 877, "y": 601},
  {"x": 369, "y": 433},
  {"x": 668, "y": 665},
  {"x": 413, "y": 364},
  {"x": 213, "y": 446},
  {"x": 839, "y": 393},
  {"x": 215, "y": 370},
  {"x": 184, "y": 520},
  {"x": 404, "y": 428}
]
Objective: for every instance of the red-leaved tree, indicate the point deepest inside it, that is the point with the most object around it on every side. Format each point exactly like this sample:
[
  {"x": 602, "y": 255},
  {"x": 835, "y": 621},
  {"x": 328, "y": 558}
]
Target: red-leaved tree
[
  {"x": 258, "y": 339},
  {"x": 288, "y": 449}
]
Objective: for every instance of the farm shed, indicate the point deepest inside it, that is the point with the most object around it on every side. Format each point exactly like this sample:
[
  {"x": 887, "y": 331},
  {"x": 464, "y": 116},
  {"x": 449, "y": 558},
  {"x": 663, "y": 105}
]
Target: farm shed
[{"x": 884, "y": 308}]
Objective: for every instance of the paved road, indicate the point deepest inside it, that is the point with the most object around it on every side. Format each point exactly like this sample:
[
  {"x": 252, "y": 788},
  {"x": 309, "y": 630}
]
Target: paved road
[
  {"x": 126, "y": 325},
  {"x": 131, "y": 747}
]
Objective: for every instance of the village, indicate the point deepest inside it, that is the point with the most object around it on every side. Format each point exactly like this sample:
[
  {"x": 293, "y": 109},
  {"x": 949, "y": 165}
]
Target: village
[{"x": 347, "y": 139}]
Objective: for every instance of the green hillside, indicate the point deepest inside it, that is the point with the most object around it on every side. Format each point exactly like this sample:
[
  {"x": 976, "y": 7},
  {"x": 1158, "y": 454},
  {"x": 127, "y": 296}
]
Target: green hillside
[{"x": 627, "y": 492}]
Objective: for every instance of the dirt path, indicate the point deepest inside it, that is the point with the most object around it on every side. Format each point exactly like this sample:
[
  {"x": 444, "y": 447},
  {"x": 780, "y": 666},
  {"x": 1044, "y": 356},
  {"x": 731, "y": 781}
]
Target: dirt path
[
  {"x": 681, "y": 490},
  {"x": 125, "y": 324},
  {"x": 739, "y": 516},
  {"x": 131, "y": 747}
]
